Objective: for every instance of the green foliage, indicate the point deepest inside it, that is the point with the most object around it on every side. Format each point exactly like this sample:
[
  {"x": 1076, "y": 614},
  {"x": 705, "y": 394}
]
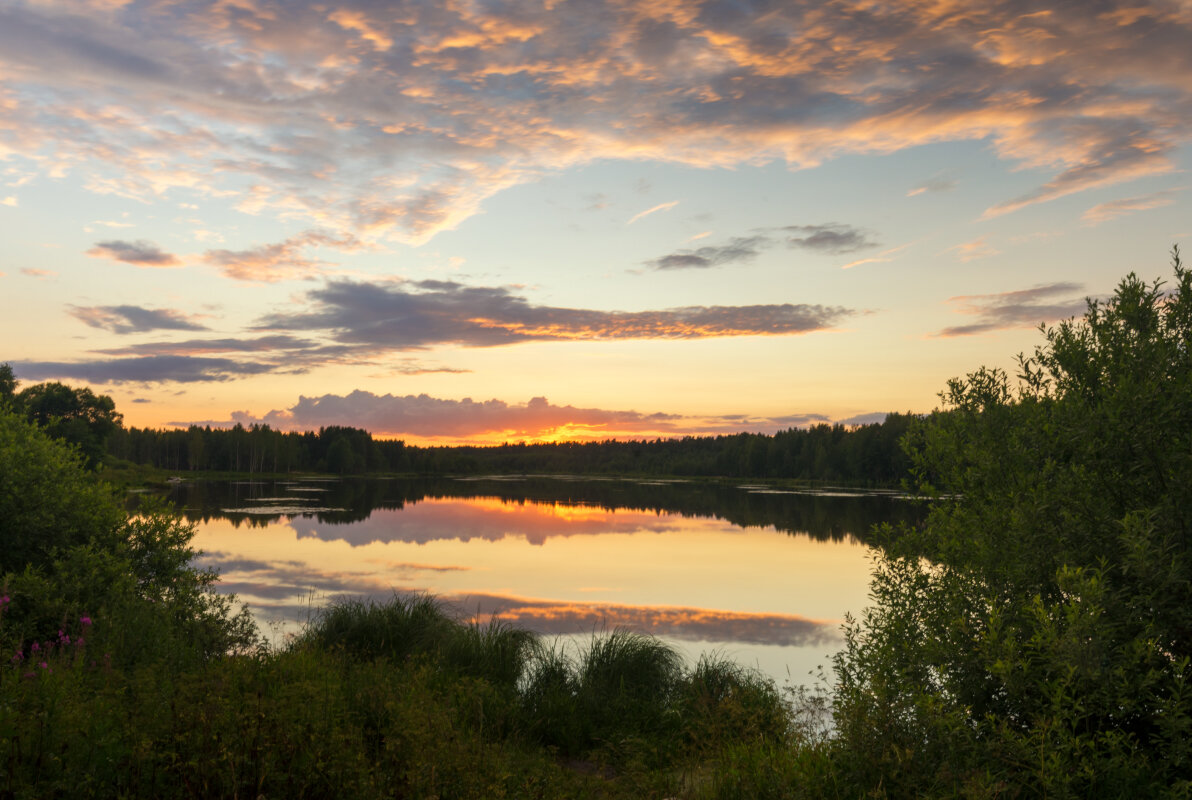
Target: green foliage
[
  {"x": 48, "y": 501},
  {"x": 724, "y": 701},
  {"x": 1044, "y": 650},
  {"x": 626, "y": 690},
  {"x": 70, "y": 550},
  {"x": 8, "y": 385},
  {"x": 77, "y": 416}
]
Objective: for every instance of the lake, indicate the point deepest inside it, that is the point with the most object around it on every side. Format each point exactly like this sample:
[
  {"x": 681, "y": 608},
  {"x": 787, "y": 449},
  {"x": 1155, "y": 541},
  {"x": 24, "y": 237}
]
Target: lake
[{"x": 759, "y": 574}]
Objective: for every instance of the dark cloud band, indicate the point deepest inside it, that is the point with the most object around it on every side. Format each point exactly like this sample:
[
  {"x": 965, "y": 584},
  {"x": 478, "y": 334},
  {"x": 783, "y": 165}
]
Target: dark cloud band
[{"x": 412, "y": 315}]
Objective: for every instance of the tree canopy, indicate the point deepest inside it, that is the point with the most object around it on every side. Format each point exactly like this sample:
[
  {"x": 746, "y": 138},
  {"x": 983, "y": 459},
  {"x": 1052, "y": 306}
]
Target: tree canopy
[
  {"x": 1033, "y": 638},
  {"x": 74, "y": 415}
]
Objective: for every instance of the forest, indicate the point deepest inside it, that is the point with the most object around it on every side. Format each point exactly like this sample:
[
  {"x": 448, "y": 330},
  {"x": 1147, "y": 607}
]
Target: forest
[{"x": 864, "y": 455}]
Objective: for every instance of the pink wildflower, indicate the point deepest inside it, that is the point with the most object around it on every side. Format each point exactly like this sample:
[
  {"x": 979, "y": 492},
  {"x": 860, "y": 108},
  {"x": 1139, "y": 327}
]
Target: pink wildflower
[
  {"x": 85, "y": 621},
  {"x": 35, "y": 647}
]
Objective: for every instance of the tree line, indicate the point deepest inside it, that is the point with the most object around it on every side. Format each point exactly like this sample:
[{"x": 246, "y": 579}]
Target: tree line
[{"x": 863, "y": 455}]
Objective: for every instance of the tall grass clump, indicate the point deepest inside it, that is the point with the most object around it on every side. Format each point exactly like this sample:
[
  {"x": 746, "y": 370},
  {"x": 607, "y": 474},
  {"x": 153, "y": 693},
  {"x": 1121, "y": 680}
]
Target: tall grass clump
[
  {"x": 550, "y": 699},
  {"x": 399, "y": 629},
  {"x": 627, "y": 684},
  {"x": 723, "y": 702},
  {"x": 494, "y": 651}
]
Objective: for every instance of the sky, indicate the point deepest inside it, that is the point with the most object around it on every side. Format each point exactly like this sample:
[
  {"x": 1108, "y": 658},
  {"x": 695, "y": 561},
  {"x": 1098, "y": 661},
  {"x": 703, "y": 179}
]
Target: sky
[{"x": 454, "y": 222}]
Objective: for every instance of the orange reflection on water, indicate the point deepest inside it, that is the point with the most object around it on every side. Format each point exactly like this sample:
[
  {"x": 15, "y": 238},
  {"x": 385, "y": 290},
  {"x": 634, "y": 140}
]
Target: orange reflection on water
[
  {"x": 560, "y": 569},
  {"x": 547, "y": 509}
]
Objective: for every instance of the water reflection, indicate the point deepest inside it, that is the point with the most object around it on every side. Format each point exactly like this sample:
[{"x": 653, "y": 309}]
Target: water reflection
[
  {"x": 824, "y": 514},
  {"x": 767, "y": 576}
]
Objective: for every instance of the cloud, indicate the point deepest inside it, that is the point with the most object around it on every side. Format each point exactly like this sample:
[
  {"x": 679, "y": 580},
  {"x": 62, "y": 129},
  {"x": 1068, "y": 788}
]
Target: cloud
[
  {"x": 932, "y": 185},
  {"x": 140, "y": 253},
  {"x": 195, "y": 347},
  {"x": 738, "y": 249},
  {"x": 9, "y": 201},
  {"x": 148, "y": 369},
  {"x": 425, "y": 416},
  {"x": 977, "y": 248},
  {"x": 279, "y": 261},
  {"x": 406, "y": 315},
  {"x": 1113, "y": 153},
  {"x": 830, "y": 238},
  {"x": 880, "y": 258},
  {"x": 653, "y": 210},
  {"x": 1103, "y": 212},
  {"x": 134, "y": 319},
  {"x": 412, "y": 366},
  {"x": 1017, "y": 309},
  {"x": 400, "y": 124},
  {"x": 433, "y": 419},
  {"x": 38, "y": 273}
]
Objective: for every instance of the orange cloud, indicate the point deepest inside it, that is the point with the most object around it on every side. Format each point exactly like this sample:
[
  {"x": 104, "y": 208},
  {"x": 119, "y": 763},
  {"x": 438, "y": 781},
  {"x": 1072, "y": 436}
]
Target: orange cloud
[{"x": 213, "y": 97}]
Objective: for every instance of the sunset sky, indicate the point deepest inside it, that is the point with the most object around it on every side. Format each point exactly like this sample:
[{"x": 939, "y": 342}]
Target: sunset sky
[{"x": 457, "y": 221}]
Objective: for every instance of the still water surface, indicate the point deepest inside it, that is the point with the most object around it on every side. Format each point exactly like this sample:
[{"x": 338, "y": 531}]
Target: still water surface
[{"x": 763, "y": 576}]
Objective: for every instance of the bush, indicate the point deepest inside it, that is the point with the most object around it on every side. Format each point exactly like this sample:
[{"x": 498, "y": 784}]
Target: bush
[
  {"x": 48, "y": 500},
  {"x": 1044, "y": 649}
]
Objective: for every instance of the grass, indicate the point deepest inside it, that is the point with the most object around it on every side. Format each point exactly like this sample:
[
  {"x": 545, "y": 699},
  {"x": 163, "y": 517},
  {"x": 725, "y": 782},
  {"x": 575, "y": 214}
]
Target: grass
[{"x": 393, "y": 699}]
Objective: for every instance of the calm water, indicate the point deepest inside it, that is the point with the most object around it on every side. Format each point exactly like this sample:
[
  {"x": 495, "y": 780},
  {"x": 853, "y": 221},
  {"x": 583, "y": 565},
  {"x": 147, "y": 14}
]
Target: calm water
[{"x": 761, "y": 575}]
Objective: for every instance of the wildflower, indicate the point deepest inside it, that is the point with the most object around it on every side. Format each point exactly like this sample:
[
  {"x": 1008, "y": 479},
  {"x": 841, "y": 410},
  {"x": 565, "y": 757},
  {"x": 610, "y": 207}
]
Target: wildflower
[
  {"x": 85, "y": 621},
  {"x": 18, "y": 658},
  {"x": 5, "y": 600},
  {"x": 44, "y": 665},
  {"x": 35, "y": 647}
]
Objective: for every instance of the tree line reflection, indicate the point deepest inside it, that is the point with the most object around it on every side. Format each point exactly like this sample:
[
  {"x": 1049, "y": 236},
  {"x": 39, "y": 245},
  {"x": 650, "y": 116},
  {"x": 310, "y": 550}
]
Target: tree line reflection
[{"x": 821, "y": 515}]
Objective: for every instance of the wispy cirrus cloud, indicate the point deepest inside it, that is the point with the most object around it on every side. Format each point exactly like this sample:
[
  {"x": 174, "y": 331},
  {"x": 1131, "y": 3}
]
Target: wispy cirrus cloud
[
  {"x": 652, "y": 210},
  {"x": 1103, "y": 212},
  {"x": 1015, "y": 309},
  {"x": 972, "y": 250},
  {"x": 932, "y": 185},
  {"x": 407, "y": 315},
  {"x": 139, "y": 253},
  {"x": 134, "y": 319},
  {"x": 401, "y": 123}
]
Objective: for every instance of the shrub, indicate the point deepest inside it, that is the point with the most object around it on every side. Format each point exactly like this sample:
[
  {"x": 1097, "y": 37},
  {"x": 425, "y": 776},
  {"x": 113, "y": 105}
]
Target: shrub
[
  {"x": 1045, "y": 648},
  {"x": 48, "y": 500}
]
